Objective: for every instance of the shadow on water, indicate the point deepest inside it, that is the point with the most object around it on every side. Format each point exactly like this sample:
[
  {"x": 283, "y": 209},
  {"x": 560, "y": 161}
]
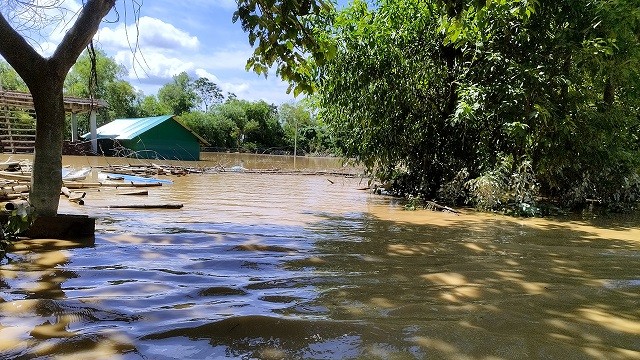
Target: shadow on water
[
  {"x": 349, "y": 286},
  {"x": 483, "y": 288}
]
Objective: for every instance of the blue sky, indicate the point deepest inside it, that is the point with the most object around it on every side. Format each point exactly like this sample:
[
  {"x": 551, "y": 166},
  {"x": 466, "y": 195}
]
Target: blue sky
[{"x": 196, "y": 36}]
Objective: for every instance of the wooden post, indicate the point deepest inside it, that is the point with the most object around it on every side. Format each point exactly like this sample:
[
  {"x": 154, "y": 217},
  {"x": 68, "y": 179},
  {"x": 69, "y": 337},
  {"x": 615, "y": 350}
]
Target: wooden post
[
  {"x": 94, "y": 132},
  {"x": 74, "y": 127},
  {"x": 295, "y": 145}
]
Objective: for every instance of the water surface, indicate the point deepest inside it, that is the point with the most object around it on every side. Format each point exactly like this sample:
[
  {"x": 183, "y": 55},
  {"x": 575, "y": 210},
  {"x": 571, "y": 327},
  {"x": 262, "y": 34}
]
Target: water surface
[{"x": 297, "y": 266}]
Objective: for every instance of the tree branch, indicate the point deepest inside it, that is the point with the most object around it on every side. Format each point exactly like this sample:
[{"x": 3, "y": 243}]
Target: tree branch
[
  {"x": 80, "y": 34},
  {"x": 18, "y": 53}
]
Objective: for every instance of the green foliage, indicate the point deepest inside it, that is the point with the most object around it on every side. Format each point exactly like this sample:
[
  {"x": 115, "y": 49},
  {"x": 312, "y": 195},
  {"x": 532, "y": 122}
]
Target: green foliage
[
  {"x": 208, "y": 92},
  {"x": 218, "y": 130},
  {"x": 180, "y": 95},
  {"x": 122, "y": 98},
  {"x": 235, "y": 123},
  {"x": 118, "y": 93},
  {"x": 286, "y": 33},
  {"x": 9, "y": 78},
  {"x": 493, "y": 103},
  {"x": 263, "y": 128},
  {"x": 18, "y": 221},
  {"x": 304, "y": 129},
  {"x": 150, "y": 106}
]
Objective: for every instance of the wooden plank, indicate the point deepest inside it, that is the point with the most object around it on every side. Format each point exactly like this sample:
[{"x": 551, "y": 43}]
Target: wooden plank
[
  {"x": 147, "y": 206},
  {"x": 138, "y": 192},
  {"x": 82, "y": 185},
  {"x": 14, "y": 176}
]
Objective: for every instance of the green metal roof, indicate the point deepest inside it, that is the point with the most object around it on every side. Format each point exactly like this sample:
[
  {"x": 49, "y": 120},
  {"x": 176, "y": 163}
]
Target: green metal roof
[{"x": 128, "y": 129}]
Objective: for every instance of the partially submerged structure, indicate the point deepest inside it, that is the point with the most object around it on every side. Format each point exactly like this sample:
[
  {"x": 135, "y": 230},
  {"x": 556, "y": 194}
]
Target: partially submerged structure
[
  {"x": 159, "y": 137},
  {"x": 17, "y": 119}
]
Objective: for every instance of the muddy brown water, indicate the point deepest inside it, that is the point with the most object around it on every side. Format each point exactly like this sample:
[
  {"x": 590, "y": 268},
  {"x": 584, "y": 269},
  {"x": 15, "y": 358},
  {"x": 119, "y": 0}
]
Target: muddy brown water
[{"x": 308, "y": 267}]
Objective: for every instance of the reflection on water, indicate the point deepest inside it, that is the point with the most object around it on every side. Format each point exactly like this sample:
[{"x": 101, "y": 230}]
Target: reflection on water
[{"x": 279, "y": 266}]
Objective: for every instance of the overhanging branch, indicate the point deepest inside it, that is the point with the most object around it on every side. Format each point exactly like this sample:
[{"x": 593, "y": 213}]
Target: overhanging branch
[
  {"x": 80, "y": 34},
  {"x": 17, "y": 51}
]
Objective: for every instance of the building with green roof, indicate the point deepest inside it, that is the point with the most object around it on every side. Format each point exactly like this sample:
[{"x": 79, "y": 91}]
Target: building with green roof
[{"x": 159, "y": 137}]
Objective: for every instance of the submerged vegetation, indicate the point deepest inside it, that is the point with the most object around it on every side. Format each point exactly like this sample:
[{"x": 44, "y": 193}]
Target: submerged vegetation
[
  {"x": 15, "y": 222},
  {"x": 498, "y": 104}
]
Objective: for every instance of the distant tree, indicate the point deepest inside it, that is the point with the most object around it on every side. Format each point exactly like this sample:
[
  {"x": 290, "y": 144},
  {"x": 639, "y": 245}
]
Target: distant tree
[
  {"x": 262, "y": 128},
  {"x": 218, "y": 130},
  {"x": 179, "y": 95},
  {"x": 123, "y": 100},
  {"x": 233, "y": 110},
  {"x": 150, "y": 106},
  {"x": 92, "y": 65},
  {"x": 208, "y": 92},
  {"x": 295, "y": 120},
  {"x": 312, "y": 133}
]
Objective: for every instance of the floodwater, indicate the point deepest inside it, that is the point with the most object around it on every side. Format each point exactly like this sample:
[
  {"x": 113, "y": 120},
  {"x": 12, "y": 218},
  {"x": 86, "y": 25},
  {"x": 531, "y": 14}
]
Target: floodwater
[{"x": 271, "y": 266}]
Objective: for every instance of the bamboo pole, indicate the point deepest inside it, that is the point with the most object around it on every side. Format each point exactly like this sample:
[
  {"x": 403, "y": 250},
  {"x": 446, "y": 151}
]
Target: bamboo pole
[{"x": 15, "y": 204}]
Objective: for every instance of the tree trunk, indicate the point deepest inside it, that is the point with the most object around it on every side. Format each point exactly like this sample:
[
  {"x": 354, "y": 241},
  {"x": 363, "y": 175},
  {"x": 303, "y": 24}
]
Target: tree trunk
[
  {"x": 46, "y": 176},
  {"x": 45, "y": 79},
  {"x": 609, "y": 92}
]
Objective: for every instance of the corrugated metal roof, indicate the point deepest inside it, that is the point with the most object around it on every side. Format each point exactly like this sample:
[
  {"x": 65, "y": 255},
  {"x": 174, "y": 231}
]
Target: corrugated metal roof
[{"x": 127, "y": 129}]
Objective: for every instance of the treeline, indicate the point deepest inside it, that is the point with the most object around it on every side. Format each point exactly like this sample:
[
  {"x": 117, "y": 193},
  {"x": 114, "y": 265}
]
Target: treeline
[
  {"x": 500, "y": 104},
  {"x": 223, "y": 120}
]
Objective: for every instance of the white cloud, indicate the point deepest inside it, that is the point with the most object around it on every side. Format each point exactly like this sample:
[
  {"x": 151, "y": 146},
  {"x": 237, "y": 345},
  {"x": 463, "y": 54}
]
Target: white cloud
[
  {"x": 202, "y": 73},
  {"x": 238, "y": 88},
  {"x": 150, "y": 33},
  {"x": 152, "y": 64}
]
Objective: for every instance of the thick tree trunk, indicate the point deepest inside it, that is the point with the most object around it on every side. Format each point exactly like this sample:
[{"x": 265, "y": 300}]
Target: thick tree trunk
[
  {"x": 45, "y": 79},
  {"x": 46, "y": 176}
]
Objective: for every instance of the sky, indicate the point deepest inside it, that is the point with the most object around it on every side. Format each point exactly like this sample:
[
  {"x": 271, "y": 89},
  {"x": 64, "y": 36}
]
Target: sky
[{"x": 195, "y": 36}]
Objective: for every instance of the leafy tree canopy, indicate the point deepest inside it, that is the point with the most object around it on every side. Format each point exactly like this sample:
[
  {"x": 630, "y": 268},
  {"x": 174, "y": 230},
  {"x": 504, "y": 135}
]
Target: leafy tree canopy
[
  {"x": 179, "y": 95},
  {"x": 208, "y": 92},
  {"x": 97, "y": 75},
  {"x": 287, "y": 33},
  {"x": 490, "y": 102}
]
